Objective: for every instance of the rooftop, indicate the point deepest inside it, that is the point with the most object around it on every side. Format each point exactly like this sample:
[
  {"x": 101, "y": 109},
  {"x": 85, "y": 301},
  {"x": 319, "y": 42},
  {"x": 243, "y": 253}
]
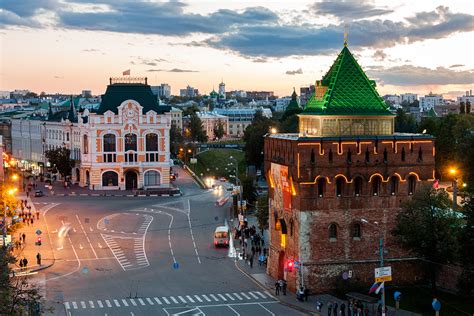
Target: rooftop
[{"x": 298, "y": 137}]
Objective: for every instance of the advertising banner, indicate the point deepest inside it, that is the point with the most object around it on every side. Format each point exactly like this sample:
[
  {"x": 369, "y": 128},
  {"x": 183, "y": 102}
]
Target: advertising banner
[{"x": 282, "y": 196}]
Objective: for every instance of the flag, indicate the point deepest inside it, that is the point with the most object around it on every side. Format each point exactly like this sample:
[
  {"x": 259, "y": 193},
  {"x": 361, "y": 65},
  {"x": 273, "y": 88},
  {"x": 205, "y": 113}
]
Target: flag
[
  {"x": 436, "y": 184},
  {"x": 373, "y": 287},
  {"x": 379, "y": 288},
  {"x": 126, "y": 72}
]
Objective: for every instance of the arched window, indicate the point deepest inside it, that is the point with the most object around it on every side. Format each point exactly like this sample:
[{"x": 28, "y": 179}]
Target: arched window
[
  {"x": 152, "y": 178},
  {"x": 394, "y": 185},
  {"x": 411, "y": 184},
  {"x": 357, "y": 186},
  {"x": 86, "y": 144},
  {"x": 151, "y": 141},
  {"x": 333, "y": 231},
  {"x": 376, "y": 181},
  {"x": 130, "y": 142},
  {"x": 356, "y": 231},
  {"x": 403, "y": 153},
  {"x": 339, "y": 186},
  {"x": 109, "y": 178},
  {"x": 109, "y": 143},
  {"x": 321, "y": 186}
]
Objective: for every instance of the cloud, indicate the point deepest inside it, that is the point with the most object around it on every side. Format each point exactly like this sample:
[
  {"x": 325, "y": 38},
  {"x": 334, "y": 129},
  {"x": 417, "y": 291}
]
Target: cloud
[
  {"x": 348, "y": 10},
  {"x": 91, "y": 50},
  {"x": 379, "y": 55},
  {"x": 408, "y": 75},
  {"x": 171, "y": 70},
  {"x": 456, "y": 66},
  {"x": 294, "y": 72},
  {"x": 58, "y": 77},
  {"x": 28, "y": 8}
]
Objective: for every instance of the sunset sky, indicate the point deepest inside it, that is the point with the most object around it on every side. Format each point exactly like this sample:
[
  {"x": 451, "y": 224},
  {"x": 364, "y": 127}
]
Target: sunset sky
[{"x": 73, "y": 45}]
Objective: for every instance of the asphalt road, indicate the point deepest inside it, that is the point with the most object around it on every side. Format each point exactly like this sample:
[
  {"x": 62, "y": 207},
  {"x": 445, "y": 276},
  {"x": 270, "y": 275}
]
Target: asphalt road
[{"x": 145, "y": 256}]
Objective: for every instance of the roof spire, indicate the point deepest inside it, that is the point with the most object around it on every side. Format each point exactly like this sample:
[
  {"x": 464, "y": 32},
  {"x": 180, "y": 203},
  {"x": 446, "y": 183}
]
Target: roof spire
[{"x": 346, "y": 34}]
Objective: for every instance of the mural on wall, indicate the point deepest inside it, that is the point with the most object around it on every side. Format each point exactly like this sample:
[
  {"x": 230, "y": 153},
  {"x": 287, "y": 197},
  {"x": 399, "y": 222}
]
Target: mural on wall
[{"x": 282, "y": 195}]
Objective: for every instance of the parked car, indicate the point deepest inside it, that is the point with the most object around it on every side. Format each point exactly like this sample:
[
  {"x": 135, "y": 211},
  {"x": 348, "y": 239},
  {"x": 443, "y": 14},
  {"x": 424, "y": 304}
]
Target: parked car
[{"x": 39, "y": 193}]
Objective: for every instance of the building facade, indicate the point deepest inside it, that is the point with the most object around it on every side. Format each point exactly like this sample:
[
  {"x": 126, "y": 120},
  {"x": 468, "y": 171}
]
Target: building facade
[
  {"x": 177, "y": 117},
  {"x": 430, "y": 101},
  {"x": 338, "y": 184},
  {"x": 125, "y": 144},
  {"x": 240, "y": 118},
  {"x": 162, "y": 91},
  {"x": 408, "y": 97},
  {"x": 210, "y": 121}
]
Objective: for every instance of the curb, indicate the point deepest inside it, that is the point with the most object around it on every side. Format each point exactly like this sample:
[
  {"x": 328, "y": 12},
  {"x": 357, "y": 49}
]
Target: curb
[
  {"x": 296, "y": 307},
  {"x": 121, "y": 195}
]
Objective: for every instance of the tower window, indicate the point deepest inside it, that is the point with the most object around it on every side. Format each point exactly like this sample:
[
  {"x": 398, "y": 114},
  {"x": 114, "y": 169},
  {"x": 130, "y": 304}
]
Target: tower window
[
  {"x": 321, "y": 186},
  {"x": 356, "y": 231},
  {"x": 420, "y": 155},
  {"x": 339, "y": 186},
  {"x": 403, "y": 153},
  {"x": 394, "y": 185},
  {"x": 333, "y": 231},
  {"x": 367, "y": 155},
  {"x": 376, "y": 185},
  {"x": 330, "y": 155},
  {"x": 411, "y": 184},
  {"x": 358, "y": 186},
  {"x": 349, "y": 156},
  {"x": 313, "y": 158},
  {"x": 385, "y": 155}
]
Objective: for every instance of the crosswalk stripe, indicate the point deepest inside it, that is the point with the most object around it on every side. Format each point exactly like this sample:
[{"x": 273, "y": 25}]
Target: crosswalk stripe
[
  {"x": 244, "y": 295},
  {"x": 182, "y": 299},
  {"x": 74, "y": 304},
  {"x": 157, "y": 300},
  {"x": 100, "y": 304},
  {"x": 259, "y": 293},
  {"x": 214, "y": 298},
  {"x": 230, "y": 296},
  {"x": 206, "y": 298},
  {"x": 124, "y": 302},
  {"x": 66, "y": 304},
  {"x": 133, "y": 302},
  {"x": 141, "y": 301},
  {"x": 222, "y": 296},
  {"x": 108, "y": 303},
  {"x": 174, "y": 300},
  {"x": 166, "y": 300},
  {"x": 198, "y": 298},
  {"x": 91, "y": 304},
  {"x": 150, "y": 301},
  {"x": 253, "y": 295},
  {"x": 238, "y": 296},
  {"x": 116, "y": 303},
  {"x": 190, "y": 298},
  {"x": 83, "y": 304}
]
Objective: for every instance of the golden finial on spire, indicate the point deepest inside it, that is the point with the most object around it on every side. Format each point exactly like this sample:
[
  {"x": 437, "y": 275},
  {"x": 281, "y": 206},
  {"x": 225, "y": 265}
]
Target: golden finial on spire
[{"x": 346, "y": 34}]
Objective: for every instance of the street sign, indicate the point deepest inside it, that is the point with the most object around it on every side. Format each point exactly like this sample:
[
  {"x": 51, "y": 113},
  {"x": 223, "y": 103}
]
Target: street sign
[
  {"x": 297, "y": 264},
  {"x": 193, "y": 161},
  {"x": 38, "y": 232},
  {"x": 8, "y": 240},
  {"x": 383, "y": 274},
  {"x": 175, "y": 265}
]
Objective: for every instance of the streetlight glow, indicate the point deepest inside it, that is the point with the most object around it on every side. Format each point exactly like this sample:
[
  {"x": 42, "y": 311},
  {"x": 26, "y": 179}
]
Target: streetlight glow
[
  {"x": 453, "y": 171},
  {"x": 273, "y": 130},
  {"x": 15, "y": 177}
]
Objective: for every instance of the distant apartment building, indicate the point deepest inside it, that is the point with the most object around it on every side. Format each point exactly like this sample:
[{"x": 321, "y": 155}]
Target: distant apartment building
[
  {"x": 430, "y": 101},
  {"x": 177, "y": 117},
  {"x": 86, "y": 94},
  {"x": 4, "y": 94},
  {"x": 392, "y": 99},
  {"x": 188, "y": 92},
  {"x": 236, "y": 94},
  {"x": 305, "y": 94},
  {"x": 467, "y": 97},
  {"x": 240, "y": 118},
  {"x": 408, "y": 97},
  {"x": 260, "y": 95},
  {"x": 281, "y": 104},
  {"x": 6, "y": 133},
  {"x": 162, "y": 91}
]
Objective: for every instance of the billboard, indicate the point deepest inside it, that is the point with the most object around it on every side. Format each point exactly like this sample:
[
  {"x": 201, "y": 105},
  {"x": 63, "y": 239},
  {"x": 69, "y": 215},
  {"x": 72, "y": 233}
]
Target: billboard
[{"x": 282, "y": 189}]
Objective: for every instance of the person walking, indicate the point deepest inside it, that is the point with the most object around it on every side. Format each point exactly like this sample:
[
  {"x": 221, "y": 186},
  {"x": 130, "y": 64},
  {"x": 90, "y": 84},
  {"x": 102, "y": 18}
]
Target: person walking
[
  {"x": 277, "y": 288},
  {"x": 37, "y": 214},
  {"x": 21, "y": 264},
  {"x": 342, "y": 309},
  {"x": 283, "y": 286},
  {"x": 335, "y": 309},
  {"x": 32, "y": 221},
  {"x": 251, "y": 260},
  {"x": 38, "y": 258},
  {"x": 25, "y": 263},
  {"x": 329, "y": 309}
]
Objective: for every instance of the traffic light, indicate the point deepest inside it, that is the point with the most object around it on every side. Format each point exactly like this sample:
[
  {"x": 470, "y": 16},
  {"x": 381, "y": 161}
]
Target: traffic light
[
  {"x": 38, "y": 241},
  {"x": 290, "y": 265}
]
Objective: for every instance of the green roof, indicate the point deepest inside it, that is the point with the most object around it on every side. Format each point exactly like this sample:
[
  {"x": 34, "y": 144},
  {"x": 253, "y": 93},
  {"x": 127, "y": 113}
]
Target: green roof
[
  {"x": 349, "y": 91},
  {"x": 118, "y": 92},
  {"x": 293, "y": 105}
]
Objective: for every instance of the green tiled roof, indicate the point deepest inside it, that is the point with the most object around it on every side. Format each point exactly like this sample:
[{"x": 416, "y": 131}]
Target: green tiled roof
[
  {"x": 349, "y": 91},
  {"x": 118, "y": 92}
]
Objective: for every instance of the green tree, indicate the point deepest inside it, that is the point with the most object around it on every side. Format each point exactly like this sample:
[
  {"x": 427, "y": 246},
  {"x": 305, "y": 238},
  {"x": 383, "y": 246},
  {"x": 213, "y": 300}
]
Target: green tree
[
  {"x": 248, "y": 190},
  {"x": 404, "y": 123},
  {"x": 427, "y": 226},
  {"x": 196, "y": 129},
  {"x": 219, "y": 130},
  {"x": 466, "y": 241},
  {"x": 253, "y": 137},
  {"x": 262, "y": 211},
  {"x": 176, "y": 140},
  {"x": 60, "y": 158}
]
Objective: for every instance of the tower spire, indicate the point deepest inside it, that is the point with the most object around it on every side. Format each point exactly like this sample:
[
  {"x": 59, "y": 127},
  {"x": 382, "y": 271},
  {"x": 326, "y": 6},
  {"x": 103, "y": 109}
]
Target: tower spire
[{"x": 346, "y": 34}]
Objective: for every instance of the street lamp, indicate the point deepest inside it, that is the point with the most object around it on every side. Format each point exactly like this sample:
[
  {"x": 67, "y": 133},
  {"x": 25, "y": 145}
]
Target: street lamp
[
  {"x": 453, "y": 172},
  {"x": 381, "y": 253},
  {"x": 273, "y": 130}
]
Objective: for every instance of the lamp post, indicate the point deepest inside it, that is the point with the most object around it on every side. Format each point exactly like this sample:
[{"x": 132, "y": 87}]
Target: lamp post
[
  {"x": 453, "y": 173},
  {"x": 381, "y": 254},
  {"x": 237, "y": 179}
]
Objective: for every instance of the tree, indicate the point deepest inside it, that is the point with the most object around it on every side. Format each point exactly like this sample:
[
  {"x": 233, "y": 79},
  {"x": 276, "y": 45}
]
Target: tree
[
  {"x": 190, "y": 110},
  {"x": 196, "y": 129},
  {"x": 219, "y": 130},
  {"x": 262, "y": 211},
  {"x": 248, "y": 190},
  {"x": 176, "y": 139},
  {"x": 60, "y": 158},
  {"x": 427, "y": 226},
  {"x": 466, "y": 241},
  {"x": 404, "y": 123},
  {"x": 253, "y": 137}
]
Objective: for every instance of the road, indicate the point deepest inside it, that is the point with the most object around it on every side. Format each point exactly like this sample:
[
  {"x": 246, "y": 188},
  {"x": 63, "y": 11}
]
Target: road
[{"x": 145, "y": 256}]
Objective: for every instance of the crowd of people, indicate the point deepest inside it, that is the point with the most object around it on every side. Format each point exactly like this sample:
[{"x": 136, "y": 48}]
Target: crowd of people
[{"x": 252, "y": 243}]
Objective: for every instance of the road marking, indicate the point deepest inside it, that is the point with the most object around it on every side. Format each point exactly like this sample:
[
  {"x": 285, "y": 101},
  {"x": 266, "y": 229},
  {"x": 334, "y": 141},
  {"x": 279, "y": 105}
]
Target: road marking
[
  {"x": 80, "y": 246},
  {"x": 222, "y": 296},
  {"x": 191, "y": 230},
  {"x": 182, "y": 299},
  {"x": 238, "y": 296},
  {"x": 157, "y": 300},
  {"x": 190, "y": 298},
  {"x": 116, "y": 303},
  {"x": 268, "y": 294},
  {"x": 100, "y": 304},
  {"x": 263, "y": 296},
  {"x": 108, "y": 303},
  {"x": 74, "y": 304},
  {"x": 174, "y": 300},
  {"x": 87, "y": 237},
  {"x": 166, "y": 301},
  {"x": 124, "y": 302},
  {"x": 198, "y": 298},
  {"x": 266, "y": 309},
  {"x": 244, "y": 295},
  {"x": 150, "y": 301},
  {"x": 233, "y": 310},
  {"x": 90, "y": 228},
  {"x": 141, "y": 301},
  {"x": 213, "y": 297},
  {"x": 206, "y": 298},
  {"x": 253, "y": 295},
  {"x": 91, "y": 304},
  {"x": 83, "y": 304},
  {"x": 230, "y": 296},
  {"x": 133, "y": 302},
  {"x": 67, "y": 305}
]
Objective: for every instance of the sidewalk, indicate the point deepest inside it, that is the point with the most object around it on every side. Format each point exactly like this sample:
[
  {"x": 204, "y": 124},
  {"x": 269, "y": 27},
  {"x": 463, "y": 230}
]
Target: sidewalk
[
  {"x": 259, "y": 275},
  {"x": 29, "y": 250}
]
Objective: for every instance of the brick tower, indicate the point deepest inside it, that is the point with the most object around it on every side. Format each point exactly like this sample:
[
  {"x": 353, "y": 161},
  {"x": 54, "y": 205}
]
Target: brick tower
[{"x": 337, "y": 185}]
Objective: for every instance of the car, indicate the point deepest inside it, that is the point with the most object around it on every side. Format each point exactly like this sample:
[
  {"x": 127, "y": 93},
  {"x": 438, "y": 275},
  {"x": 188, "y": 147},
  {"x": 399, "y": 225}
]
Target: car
[
  {"x": 221, "y": 236},
  {"x": 39, "y": 193}
]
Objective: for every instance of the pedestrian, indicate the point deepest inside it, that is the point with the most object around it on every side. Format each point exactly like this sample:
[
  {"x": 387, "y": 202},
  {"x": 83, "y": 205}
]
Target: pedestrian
[
  {"x": 21, "y": 264},
  {"x": 38, "y": 258},
  {"x": 335, "y": 309},
  {"x": 31, "y": 220},
  {"x": 23, "y": 236},
  {"x": 329, "y": 309},
  {"x": 37, "y": 215},
  {"x": 251, "y": 260},
  {"x": 28, "y": 222},
  {"x": 25, "y": 263},
  {"x": 27, "y": 194},
  {"x": 277, "y": 288},
  {"x": 306, "y": 293},
  {"x": 283, "y": 286},
  {"x": 342, "y": 309}
]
